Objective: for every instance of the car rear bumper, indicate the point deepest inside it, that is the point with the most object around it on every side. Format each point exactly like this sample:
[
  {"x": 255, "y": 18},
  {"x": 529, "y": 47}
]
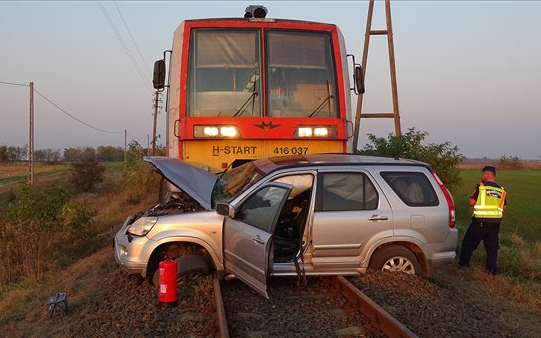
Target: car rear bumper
[{"x": 443, "y": 253}]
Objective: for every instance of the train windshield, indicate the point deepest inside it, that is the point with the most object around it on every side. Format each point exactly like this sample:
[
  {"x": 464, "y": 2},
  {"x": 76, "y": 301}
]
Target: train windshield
[
  {"x": 301, "y": 75},
  {"x": 225, "y": 74}
]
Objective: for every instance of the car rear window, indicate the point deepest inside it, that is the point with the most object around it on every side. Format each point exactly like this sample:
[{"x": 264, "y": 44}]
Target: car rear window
[
  {"x": 413, "y": 188},
  {"x": 346, "y": 191}
]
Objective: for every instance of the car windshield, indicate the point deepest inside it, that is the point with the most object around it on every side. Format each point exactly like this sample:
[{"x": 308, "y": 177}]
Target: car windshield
[{"x": 235, "y": 181}]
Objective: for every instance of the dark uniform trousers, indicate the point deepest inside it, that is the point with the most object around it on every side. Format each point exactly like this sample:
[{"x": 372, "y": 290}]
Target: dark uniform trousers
[{"x": 477, "y": 232}]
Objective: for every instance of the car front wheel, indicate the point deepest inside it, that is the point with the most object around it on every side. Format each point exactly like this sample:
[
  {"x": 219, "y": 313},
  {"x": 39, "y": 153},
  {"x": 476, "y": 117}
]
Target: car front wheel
[
  {"x": 189, "y": 268},
  {"x": 395, "y": 258}
]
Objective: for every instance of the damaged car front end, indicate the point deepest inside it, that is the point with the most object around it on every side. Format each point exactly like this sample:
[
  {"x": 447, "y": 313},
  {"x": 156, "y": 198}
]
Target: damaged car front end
[{"x": 182, "y": 224}]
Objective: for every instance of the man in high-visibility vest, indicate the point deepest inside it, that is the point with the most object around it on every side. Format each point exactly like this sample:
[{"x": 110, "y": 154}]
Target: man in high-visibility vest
[{"x": 488, "y": 202}]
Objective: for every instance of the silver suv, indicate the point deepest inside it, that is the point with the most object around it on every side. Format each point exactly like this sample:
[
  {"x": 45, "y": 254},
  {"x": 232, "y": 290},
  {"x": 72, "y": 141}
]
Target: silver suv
[{"x": 324, "y": 214}]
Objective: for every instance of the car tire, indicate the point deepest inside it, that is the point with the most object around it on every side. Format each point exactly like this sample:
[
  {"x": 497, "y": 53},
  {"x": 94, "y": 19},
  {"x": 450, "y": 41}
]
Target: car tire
[
  {"x": 395, "y": 258},
  {"x": 189, "y": 268}
]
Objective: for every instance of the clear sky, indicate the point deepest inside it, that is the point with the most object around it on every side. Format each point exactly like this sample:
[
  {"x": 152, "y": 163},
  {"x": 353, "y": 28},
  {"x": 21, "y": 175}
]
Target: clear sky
[{"x": 468, "y": 72}]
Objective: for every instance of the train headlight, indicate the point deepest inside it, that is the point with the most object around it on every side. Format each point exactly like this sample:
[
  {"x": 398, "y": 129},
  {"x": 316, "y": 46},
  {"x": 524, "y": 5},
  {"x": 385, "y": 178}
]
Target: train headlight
[
  {"x": 304, "y": 132},
  {"x": 321, "y": 132},
  {"x": 316, "y": 131},
  {"x": 210, "y": 131},
  {"x": 229, "y": 131},
  {"x": 202, "y": 131}
]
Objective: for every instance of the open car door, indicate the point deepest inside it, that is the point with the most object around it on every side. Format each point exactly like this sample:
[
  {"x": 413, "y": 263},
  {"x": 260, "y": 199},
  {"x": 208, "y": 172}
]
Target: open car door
[{"x": 248, "y": 235}]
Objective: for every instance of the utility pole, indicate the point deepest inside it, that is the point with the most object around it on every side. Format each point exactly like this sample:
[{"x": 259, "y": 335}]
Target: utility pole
[
  {"x": 31, "y": 138},
  {"x": 390, "y": 46},
  {"x": 125, "y": 145},
  {"x": 154, "y": 126}
]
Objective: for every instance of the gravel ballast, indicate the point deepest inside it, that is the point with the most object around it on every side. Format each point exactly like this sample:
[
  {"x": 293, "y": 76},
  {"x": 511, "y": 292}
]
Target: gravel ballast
[{"x": 105, "y": 301}]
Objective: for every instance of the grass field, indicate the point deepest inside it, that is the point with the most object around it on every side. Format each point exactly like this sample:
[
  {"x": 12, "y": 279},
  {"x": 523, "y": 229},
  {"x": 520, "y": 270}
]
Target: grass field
[
  {"x": 520, "y": 235},
  {"x": 11, "y": 173}
]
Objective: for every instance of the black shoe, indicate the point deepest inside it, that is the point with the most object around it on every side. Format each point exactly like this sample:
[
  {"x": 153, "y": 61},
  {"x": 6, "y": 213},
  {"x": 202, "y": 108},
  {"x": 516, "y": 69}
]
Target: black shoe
[{"x": 492, "y": 271}]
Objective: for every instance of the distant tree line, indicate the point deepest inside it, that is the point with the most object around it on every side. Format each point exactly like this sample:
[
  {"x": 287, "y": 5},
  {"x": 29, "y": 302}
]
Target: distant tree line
[
  {"x": 101, "y": 153},
  {"x": 511, "y": 162},
  {"x": 11, "y": 153},
  {"x": 73, "y": 154}
]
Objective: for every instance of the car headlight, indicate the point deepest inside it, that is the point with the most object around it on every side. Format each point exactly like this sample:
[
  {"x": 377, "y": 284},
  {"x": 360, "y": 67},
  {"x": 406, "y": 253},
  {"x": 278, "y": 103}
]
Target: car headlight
[{"x": 142, "y": 226}]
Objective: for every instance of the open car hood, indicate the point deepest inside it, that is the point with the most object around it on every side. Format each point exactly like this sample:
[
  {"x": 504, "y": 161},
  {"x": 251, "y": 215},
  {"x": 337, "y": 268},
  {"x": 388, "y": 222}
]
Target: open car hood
[{"x": 195, "y": 182}]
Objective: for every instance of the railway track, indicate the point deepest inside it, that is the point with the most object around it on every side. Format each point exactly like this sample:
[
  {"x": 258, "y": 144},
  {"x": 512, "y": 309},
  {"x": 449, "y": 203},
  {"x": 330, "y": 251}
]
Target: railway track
[{"x": 325, "y": 307}]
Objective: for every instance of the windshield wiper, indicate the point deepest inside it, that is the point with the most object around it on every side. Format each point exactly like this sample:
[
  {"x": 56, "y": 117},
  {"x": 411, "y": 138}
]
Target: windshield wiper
[
  {"x": 318, "y": 108},
  {"x": 242, "y": 109},
  {"x": 223, "y": 172}
]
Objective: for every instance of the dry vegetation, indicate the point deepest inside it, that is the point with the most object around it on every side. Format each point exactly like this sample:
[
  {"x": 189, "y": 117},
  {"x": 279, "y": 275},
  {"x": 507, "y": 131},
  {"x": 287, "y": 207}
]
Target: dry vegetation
[
  {"x": 479, "y": 163},
  {"x": 16, "y": 172},
  {"x": 111, "y": 200}
]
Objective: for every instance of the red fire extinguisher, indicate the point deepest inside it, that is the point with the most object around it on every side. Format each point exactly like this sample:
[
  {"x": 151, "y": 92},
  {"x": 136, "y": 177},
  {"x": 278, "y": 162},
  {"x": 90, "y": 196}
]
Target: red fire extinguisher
[{"x": 168, "y": 282}]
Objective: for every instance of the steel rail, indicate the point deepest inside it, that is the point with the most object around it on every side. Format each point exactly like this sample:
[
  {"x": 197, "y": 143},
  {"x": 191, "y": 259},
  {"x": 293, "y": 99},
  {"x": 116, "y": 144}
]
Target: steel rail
[
  {"x": 221, "y": 320},
  {"x": 387, "y": 323}
]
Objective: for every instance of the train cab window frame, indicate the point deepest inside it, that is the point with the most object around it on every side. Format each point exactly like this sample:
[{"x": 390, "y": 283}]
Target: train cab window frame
[
  {"x": 301, "y": 74},
  {"x": 224, "y": 73}
]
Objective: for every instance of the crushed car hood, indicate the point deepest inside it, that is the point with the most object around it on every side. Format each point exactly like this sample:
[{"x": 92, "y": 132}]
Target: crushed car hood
[{"x": 195, "y": 182}]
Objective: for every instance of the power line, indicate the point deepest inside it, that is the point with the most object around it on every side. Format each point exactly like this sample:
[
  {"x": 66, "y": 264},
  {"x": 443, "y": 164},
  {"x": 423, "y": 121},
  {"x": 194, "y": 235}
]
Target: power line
[
  {"x": 14, "y": 84},
  {"x": 123, "y": 44},
  {"x": 75, "y": 118},
  {"x": 133, "y": 40},
  {"x": 135, "y": 137},
  {"x": 65, "y": 112}
]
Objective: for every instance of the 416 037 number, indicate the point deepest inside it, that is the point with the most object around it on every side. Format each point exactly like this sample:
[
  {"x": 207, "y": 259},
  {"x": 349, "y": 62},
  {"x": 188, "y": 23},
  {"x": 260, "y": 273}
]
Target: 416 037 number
[{"x": 290, "y": 150}]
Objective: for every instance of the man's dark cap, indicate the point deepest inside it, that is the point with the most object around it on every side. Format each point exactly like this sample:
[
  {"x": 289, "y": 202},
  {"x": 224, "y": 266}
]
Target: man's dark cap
[{"x": 489, "y": 168}]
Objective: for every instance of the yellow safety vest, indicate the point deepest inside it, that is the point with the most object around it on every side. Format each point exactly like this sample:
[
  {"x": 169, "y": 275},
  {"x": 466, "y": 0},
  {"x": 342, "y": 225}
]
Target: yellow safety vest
[{"x": 490, "y": 202}]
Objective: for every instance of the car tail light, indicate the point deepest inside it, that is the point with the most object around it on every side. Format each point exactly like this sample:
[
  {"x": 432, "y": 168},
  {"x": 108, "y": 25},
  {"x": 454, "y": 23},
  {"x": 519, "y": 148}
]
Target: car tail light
[{"x": 449, "y": 198}]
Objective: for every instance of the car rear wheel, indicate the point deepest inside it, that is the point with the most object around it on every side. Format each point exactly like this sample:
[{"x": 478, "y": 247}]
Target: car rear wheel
[
  {"x": 395, "y": 258},
  {"x": 189, "y": 268}
]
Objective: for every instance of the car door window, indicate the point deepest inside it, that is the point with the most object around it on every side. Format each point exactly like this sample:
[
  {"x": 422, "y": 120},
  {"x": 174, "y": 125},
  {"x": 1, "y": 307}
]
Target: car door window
[
  {"x": 413, "y": 188},
  {"x": 261, "y": 209},
  {"x": 346, "y": 191}
]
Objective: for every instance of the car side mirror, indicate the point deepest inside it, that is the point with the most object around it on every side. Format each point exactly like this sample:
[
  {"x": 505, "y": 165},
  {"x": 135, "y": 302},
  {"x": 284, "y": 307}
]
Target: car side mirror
[
  {"x": 225, "y": 209},
  {"x": 158, "y": 80}
]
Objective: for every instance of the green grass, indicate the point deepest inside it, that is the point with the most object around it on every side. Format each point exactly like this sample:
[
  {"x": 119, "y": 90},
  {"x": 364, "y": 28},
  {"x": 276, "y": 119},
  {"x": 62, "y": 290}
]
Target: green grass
[
  {"x": 24, "y": 178},
  {"x": 17, "y": 172},
  {"x": 520, "y": 234}
]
